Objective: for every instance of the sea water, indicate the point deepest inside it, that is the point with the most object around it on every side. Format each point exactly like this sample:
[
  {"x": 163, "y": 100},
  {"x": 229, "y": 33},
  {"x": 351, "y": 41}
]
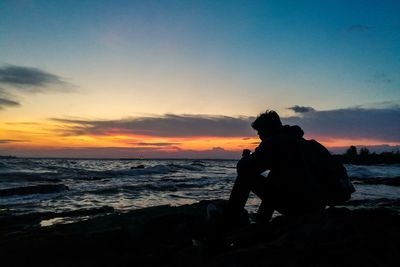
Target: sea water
[{"x": 125, "y": 185}]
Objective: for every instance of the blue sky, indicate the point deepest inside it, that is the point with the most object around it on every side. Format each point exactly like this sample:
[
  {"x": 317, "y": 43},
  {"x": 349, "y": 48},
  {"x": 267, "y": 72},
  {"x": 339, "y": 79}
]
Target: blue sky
[{"x": 126, "y": 59}]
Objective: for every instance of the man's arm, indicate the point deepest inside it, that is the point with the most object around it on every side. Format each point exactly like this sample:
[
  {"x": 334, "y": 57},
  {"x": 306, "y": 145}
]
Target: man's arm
[{"x": 255, "y": 163}]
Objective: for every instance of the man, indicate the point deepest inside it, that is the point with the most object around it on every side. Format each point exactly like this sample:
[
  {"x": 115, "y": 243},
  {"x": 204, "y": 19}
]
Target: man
[{"x": 303, "y": 176}]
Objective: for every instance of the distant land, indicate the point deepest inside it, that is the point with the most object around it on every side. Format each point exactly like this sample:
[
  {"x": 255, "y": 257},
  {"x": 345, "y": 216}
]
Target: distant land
[
  {"x": 372, "y": 148},
  {"x": 8, "y": 157},
  {"x": 352, "y": 155},
  {"x": 363, "y": 156}
]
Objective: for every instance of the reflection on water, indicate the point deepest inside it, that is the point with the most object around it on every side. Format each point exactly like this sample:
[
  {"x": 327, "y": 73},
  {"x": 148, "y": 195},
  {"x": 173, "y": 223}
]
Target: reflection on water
[{"x": 63, "y": 220}]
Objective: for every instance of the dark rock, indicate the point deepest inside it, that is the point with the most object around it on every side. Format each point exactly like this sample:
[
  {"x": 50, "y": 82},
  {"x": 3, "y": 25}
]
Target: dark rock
[
  {"x": 85, "y": 212},
  {"x": 27, "y": 222},
  {"x": 53, "y": 180},
  {"x": 34, "y": 189},
  {"x": 178, "y": 236},
  {"x": 138, "y": 167}
]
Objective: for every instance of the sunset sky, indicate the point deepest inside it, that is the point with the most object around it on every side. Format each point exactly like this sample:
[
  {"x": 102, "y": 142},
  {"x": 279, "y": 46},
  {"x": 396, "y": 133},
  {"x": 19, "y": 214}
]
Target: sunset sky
[{"x": 186, "y": 78}]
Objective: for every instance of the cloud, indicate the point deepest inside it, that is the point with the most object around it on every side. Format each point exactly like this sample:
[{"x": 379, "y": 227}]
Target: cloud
[
  {"x": 356, "y": 123},
  {"x": 351, "y": 123},
  {"x": 6, "y": 100},
  {"x": 380, "y": 78},
  {"x": 28, "y": 80},
  {"x": 25, "y": 76},
  {"x": 161, "y": 144},
  {"x": 8, "y": 103},
  {"x": 392, "y": 104},
  {"x": 31, "y": 80},
  {"x": 7, "y": 141},
  {"x": 301, "y": 109},
  {"x": 168, "y": 125},
  {"x": 381, "y": 124},
  {"x": 358, "y": 28}
]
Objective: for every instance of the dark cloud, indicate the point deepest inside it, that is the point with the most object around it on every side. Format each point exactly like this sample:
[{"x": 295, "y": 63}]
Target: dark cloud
[
  {"x": 352, "y": 123},
  {"x": 8, "y": 103},
  {"x": 25, "y": 76},
  {"x": 29, "y": 80},
  {"x": 6, "y": 100},
  {"x": 301, "y": 109},
  {"x": 168, "y": 125},
  {"x": 358, "y": 28}
]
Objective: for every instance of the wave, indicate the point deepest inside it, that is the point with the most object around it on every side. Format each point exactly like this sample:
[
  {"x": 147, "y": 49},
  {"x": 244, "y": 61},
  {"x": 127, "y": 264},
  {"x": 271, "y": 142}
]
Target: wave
[
  {"x": 157, "y": 169},
  {"x": 198, "y": 163},
  {"x": 392, "y": 181},
  {"x": 131, "y": 189},
  {"x": 152, "y": 170},
  {"x": 380, "y": 202},
  {"x": 20, "y": 176},
  {"x": 372, "y": 171},
  {"x": 154, "y": 187},
  {"x": 190, "y": 167},
  {"x": 62, "y": 173},
  {"x": 3, "y": 165}
]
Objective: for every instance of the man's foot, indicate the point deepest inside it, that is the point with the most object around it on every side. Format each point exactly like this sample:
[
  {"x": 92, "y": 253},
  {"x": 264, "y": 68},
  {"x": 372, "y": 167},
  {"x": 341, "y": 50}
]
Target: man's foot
[
  {"x": 212, "y": 213},
  {"x": 264, "y": 213},
  {"x": 222, "y": 218}
]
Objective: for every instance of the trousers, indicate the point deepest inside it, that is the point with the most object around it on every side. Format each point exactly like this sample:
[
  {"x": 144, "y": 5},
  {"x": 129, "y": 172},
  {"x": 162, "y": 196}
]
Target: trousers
[{"x": 273, "y": 196}]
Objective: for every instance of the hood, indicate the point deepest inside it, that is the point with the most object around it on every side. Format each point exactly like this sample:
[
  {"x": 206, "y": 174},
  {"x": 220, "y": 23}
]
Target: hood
[{"x": 292, "y": 130}]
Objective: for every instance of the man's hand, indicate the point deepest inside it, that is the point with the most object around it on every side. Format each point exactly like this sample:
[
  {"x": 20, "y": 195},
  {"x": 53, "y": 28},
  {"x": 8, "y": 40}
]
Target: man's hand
[{"x": 246, "y": 153}]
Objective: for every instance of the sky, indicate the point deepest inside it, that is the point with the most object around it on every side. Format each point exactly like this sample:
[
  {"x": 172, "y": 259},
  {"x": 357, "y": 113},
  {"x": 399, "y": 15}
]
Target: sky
[{"x": 180, "y": 79}]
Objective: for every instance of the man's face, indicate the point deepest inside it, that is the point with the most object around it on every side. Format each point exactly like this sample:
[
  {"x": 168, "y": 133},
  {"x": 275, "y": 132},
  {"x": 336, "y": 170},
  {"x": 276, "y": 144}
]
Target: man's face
[{"x": 262, "y": 135}]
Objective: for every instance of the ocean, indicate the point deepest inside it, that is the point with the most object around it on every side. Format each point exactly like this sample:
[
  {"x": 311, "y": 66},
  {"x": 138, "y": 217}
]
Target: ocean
[{"x": 68, "y": 185}]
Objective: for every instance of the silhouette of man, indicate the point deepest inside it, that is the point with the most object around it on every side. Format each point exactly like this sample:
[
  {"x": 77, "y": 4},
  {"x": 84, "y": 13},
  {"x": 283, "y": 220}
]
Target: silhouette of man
[{"x": 298, "y": 181}]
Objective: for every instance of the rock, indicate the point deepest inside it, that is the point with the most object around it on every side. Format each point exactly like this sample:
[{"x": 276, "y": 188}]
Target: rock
[
  {"x": 30, "y": 221},
  {"x": 178, "y": 236},
  {"x": 34, "y": 189},
  {"x": 138, "y": 167}
]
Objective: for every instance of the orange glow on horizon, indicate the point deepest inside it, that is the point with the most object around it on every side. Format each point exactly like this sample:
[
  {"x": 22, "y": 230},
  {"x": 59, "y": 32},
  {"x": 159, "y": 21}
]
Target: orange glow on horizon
[{"x": 45, "y": 135}]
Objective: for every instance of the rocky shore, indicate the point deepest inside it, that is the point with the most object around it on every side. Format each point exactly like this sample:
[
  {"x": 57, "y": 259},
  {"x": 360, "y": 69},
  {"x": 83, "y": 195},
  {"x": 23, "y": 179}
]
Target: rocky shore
[{"x": 180, "y": 236}]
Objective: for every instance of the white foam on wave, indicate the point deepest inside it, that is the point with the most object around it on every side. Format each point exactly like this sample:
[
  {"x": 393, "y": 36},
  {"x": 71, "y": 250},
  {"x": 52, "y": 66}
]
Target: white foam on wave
[{"x": 373, "y": 171}]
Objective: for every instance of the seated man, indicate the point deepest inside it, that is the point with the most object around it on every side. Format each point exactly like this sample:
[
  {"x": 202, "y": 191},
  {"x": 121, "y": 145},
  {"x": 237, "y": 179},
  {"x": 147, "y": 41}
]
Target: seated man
[{"x": 303, "y": 176}]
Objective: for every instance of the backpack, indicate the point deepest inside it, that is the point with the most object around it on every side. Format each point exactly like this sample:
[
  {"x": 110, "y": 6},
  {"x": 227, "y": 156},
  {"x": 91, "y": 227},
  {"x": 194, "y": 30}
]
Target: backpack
[{"x": 329, "y": 177}]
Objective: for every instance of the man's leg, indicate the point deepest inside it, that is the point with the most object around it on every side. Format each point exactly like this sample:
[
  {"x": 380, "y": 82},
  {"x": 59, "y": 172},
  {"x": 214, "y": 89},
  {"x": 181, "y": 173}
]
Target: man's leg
[
  {"x": 259, "y": 185},
  {"x": 263, "y": 188},
  {"x": 265, "y": 211},
  {"x": 239, "y": 195}
]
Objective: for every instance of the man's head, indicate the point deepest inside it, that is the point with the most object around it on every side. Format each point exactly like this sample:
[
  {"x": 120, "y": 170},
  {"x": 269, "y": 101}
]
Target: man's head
[{"x": 267, "y": 123}]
